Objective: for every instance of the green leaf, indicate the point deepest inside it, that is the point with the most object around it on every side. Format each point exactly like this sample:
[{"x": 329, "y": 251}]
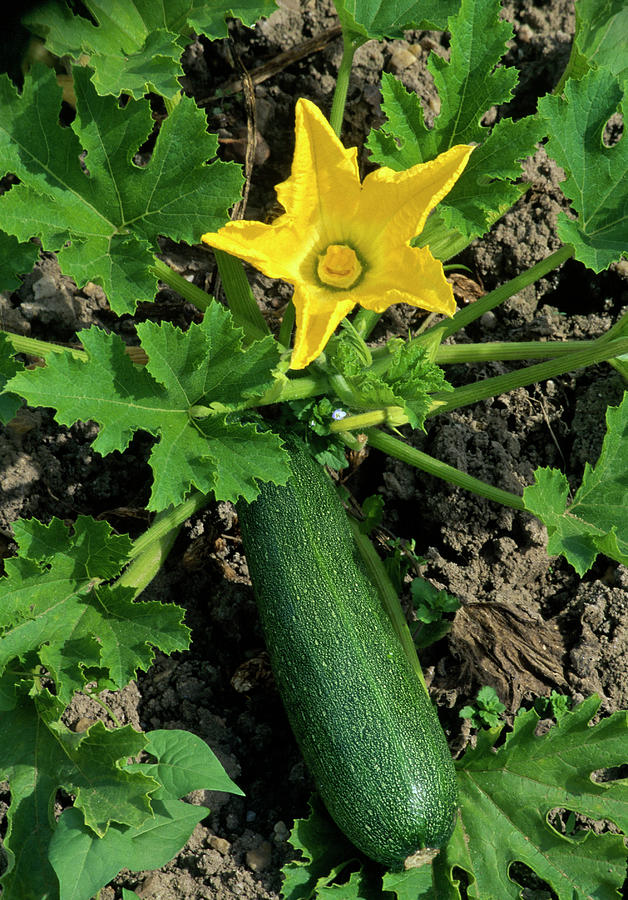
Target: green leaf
[
  {"x": 362, "y": 885},
  {"x": 407, "y": 381},
  {"x": 600, "y": 40},
  {"x": 135, "y": 46},
  {"x": 596, "y": 521},
  {"x": 9, "y": 366},
  {"x": 47, "y": 607},
  {"x": 596, "y": 174},
  {"x": 324, "y": 852},
  {"x": 84, "y": 863},
  {"x": 415, "y": 884},
  {"x": 364, "y": 19},
  {"x": 38, "y": 756},
  {"x": 15, "y": 259},
  {"x": 184, "y": 763},
  {"x": 210, "y": 19},
  {"x": 507, "y": 795},
  {"x": 104, "y": 220},
  {"x": 202, "y": 368},
  {"x": 469, "y": 84}
]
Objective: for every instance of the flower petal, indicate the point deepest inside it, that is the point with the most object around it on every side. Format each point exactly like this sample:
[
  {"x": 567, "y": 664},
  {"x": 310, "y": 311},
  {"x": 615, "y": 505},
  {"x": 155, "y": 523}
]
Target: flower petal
[
  {"x": 398, "y": 203},
  {"x": 276, "y": 250},
  {"x": 407, "y": 275},
  {"x": 324, "y": 186},
  {"x": 318, "y": 313}
]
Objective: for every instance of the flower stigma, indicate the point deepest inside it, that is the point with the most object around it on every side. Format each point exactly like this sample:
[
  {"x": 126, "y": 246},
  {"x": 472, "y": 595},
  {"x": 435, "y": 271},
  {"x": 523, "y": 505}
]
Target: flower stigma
[{"x": 339, "y": 266}]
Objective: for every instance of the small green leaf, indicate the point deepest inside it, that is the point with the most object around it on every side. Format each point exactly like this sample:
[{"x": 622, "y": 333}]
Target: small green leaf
[
  {"x": 596, "y": 174},
  {"x": 210, "y": 19},
  {"x": 184, "y": 763},
  {"x": 15, "y": 259},
  {"x": 596, "y": 521},
  {"x": 324, "y": 851},
  {"x": 364, "y": 19}
]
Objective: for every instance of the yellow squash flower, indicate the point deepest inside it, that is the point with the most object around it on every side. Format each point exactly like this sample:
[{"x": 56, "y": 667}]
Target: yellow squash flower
[{"x": 341, "y": 241}]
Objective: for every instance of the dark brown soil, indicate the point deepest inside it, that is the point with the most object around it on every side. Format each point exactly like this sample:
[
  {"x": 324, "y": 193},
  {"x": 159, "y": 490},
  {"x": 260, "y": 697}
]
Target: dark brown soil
[{"x": 527, "y": 623}]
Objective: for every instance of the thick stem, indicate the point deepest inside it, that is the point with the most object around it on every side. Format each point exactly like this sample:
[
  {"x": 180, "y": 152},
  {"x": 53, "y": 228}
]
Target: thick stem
[
  {"x": 33, "y": 347},
  {"x": 596, "y": 352},
  {"x": 394, "y": 447},
  {"x": 506, "y": 350}
]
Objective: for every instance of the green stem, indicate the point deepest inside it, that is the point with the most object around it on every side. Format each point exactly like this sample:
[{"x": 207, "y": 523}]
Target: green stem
[
  {"x": 292, "y": 389},
  {"x": 239, "y": 295},
  {"x": 150, "y": 550},
  {"x": 106, "y": 708},
  {"x": 507, "y": 350},
  {"x": 394, "y": 447},
  {"x": 388, "y": 595},
  {"x": 350, "y": 45},
  {"x": 489, "y": 301},
  {"x": 33, "y": 347},
  {"x": 365, "y": 321},
  {"x": 502, "y": 384},
  {"x": 190, "y": 292}
]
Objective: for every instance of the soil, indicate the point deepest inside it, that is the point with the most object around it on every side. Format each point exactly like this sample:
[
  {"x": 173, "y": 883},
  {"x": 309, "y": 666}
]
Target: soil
[{"x": 527, "y": 623}]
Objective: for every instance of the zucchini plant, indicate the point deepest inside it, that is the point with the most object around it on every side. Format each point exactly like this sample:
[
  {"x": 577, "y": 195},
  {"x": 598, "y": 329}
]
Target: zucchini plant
[{"x": 239, "y": 411}]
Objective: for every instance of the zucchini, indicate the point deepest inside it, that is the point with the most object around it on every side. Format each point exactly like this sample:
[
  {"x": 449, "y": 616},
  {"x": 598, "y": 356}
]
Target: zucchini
[{"x": 363, "y": 720}]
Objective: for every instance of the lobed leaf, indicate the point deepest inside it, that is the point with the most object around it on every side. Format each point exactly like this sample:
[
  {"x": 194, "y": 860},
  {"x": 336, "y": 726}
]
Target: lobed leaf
[
  {"x": 596, "y": 174},
  {"x": 104, "y": 215},
  {"x": 202, "y": 367},
  {"x": 49, "y": 609},
  {"x": 135, "y": 46},
  {"x": 38, "y": 756},
  {"x": 506, "y": 797},
  {"x": 184, "y": 763},
  {"x": 599, "y": 41},
  {"x": 469, "y": 84},
  {"x": 596, "y": 521}
]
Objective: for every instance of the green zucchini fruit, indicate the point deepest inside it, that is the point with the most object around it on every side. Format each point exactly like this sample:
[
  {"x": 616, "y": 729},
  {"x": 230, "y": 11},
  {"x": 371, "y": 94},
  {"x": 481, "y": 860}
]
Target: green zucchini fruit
[{"x": 364, "y": 723}]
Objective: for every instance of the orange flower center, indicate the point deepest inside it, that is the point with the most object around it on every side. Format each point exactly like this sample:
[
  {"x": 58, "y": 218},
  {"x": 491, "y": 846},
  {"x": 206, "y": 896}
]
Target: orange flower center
[{"x": 339, "y": 266}]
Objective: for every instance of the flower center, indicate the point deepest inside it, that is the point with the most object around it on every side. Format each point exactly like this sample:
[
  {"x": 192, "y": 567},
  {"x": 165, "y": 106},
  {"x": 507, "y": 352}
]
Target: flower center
[{"x": 339, "y": 266}]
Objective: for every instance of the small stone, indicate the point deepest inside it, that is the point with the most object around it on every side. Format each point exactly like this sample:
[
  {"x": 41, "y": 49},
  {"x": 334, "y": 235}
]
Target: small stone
[
  {"x": 83, "y": 724},
  {"x": 401, "y": 58},
  {"x": 525, "y": 34},
  {"x": 280, "y": 832},
  {"x": 259, "y": 859},
  {"x": 45, "y": 287},
  {"x": 222, "y": 845}
]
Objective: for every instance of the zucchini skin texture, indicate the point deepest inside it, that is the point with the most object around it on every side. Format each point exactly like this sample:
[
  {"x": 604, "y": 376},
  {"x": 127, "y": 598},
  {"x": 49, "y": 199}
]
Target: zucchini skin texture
[{"x": 367, "y": 729}]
